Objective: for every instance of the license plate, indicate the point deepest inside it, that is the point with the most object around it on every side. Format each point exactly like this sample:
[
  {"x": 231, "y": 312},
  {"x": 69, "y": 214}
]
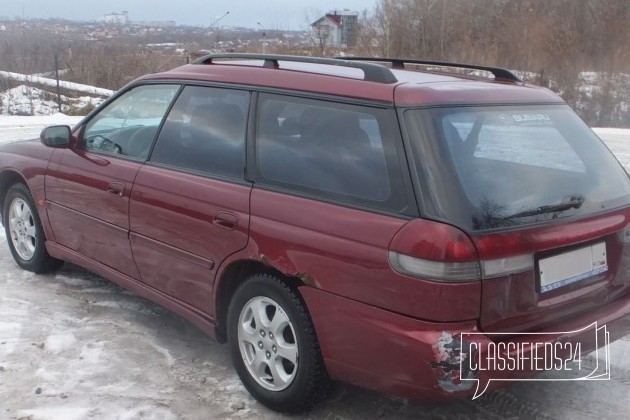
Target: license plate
[{"x": 573, "y": 266}]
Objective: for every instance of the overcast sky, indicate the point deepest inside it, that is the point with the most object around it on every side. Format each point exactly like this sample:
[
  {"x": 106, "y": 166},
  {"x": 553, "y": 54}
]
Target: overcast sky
[{"x": 282, "y": 14}]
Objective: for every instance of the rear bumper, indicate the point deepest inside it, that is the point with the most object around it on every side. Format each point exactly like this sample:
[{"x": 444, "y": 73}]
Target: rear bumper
[{"x": 395, "y": 354}]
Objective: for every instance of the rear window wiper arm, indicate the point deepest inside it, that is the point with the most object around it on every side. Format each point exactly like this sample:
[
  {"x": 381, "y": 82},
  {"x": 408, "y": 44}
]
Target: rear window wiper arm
[{"x": 574, "y": 202}]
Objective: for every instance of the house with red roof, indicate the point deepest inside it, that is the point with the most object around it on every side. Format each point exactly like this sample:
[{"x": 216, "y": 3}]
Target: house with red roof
[{"x": 337, "y": 28}]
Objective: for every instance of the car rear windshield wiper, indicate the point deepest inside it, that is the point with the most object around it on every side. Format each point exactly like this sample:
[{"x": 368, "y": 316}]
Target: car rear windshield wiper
[{"x": 573, "y": 202}]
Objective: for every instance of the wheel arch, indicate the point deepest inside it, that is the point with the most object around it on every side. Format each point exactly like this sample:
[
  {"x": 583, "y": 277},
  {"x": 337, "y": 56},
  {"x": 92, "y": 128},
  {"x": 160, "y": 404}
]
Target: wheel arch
[
  {"x": 7, "y": 179},
  {"x": 232, "y": 277}
]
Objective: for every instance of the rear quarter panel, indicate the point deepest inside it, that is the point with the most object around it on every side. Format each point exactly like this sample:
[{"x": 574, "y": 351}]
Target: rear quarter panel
[{"x": 344, "y": 251}]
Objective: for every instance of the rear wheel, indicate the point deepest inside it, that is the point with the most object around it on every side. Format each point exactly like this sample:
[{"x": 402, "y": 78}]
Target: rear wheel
[
  {"x": 24, "y": 232},
  {"x": 274, "y": 347}
]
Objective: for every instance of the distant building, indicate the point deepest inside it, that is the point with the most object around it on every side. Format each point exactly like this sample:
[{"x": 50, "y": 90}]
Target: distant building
[
  {"x": 337, "y": 28},
  {"x": 121, "y": 18}
]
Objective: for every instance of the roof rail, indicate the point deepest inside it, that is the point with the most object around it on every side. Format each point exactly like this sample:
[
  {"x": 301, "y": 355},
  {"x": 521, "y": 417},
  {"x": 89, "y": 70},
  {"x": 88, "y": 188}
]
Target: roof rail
[
  {"x": 371, "y": 72},
  {"x": 399, "y": 63}
]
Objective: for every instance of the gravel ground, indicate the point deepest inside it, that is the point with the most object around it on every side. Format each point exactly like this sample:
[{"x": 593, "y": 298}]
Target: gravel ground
[{"x": 74, "y": 346}]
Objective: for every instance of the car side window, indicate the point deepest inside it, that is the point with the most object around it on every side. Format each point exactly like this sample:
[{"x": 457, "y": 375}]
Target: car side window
[
  {"x": 335, "y": 151},
  {"x": 205, "y": 132},
  {"x": 128, "y": 125}
]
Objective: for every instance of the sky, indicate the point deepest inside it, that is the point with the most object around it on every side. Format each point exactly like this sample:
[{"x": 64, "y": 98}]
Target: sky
[{"x": 272, "y": 14}]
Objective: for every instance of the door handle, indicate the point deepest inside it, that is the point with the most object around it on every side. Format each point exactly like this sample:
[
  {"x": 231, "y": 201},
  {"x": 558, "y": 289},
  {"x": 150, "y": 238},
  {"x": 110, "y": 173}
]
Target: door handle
[
  {"x": 117, "y": 188},
  {"x": 226, "y": 220}
]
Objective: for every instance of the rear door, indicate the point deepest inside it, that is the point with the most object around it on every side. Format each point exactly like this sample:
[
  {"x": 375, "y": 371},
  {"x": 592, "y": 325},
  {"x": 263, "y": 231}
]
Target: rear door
[
  {"x": 190, "y": 203},
  {"x": 88, "y": 187}
]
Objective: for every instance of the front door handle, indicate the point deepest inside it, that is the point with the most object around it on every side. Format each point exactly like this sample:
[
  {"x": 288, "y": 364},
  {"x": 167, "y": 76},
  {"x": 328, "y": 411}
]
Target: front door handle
[
  {"x": 226, "y": 220},
  {"x": 117, "y": 188}
]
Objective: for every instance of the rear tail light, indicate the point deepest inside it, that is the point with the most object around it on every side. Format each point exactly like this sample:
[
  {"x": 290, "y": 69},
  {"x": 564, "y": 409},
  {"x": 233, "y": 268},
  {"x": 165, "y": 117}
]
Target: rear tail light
[
  {"x": 440, "y": 252},
  {"x": 434, "y": 251},
  {"x": 505, "y": 266},
  {"x": 435, "y": 270}
]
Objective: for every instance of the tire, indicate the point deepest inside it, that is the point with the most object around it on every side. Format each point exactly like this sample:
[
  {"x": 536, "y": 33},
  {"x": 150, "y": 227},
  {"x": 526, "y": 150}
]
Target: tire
[
  {"x": 24, "y": 232},
  {"x": 274, "y": 347}
]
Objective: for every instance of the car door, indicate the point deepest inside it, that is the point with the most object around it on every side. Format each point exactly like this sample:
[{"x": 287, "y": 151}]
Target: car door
[
  {"x": 189, "y": 205},
  {"x": 88, "y": 186}
]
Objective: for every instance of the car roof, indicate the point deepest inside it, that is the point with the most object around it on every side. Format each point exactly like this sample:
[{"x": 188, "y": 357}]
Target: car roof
[{"x": 404, "y": 88}]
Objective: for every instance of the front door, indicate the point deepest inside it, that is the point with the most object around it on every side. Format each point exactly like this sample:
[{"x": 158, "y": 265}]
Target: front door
[{"x": 88, "y": 186}]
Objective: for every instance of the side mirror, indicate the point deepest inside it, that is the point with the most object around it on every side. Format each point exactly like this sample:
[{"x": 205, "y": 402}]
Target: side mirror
[{"x": 57, "y": 136}]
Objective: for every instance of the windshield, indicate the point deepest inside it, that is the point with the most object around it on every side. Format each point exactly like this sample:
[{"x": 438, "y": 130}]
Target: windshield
[{"x": 502, "y": 166}]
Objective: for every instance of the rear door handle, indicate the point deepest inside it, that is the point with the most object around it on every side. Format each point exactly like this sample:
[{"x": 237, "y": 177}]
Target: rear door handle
[
  {"x": 117, "y": 188},
  {"x": 226, "y": 220}
]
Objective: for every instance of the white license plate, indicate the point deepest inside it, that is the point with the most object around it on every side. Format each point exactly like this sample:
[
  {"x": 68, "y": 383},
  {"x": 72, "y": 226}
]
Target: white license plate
[{"x": 570, "y": 267}]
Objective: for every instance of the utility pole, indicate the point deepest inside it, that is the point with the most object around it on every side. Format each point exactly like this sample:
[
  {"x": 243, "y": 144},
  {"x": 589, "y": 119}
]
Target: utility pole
[
  {"x": 215, "y": 25},
  {"x": 57, "y": 77},
  {"x": 264, "y": 35}
]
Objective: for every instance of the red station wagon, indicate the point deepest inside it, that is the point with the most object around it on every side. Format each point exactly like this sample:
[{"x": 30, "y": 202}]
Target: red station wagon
[{"x": 338, "y": 219}]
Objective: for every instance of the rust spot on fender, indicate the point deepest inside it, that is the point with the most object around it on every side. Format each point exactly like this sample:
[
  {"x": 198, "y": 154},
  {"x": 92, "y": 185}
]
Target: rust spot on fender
[{"x": 306, "y": 279}]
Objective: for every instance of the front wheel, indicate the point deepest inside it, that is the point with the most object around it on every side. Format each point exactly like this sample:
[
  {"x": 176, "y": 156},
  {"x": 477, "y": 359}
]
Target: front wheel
[
  {"x": 273, "y": 345},
  {"x": 24, "y": 232}
]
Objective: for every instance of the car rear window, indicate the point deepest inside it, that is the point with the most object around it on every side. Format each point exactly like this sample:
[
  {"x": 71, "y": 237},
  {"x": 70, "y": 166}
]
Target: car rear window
[{"x": 495, "y": 167}]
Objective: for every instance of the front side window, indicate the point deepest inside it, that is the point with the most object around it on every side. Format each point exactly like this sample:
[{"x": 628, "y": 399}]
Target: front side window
[
  {"x": 205, "y": 132},
  {"x": 341, "y": 152},
  {"x": 128, "y": 125},
  {"x": 504, "y": 166}
]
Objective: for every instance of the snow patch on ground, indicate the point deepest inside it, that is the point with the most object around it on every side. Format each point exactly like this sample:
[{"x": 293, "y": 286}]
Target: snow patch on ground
[
  {"x": 143, "y": 411},
  {"x": 55, "y": 413},
  {"x": 618, "y": 141},
  {"x": 28, "y": 127},
  {"x": 27, "y": 121},
  {"x": 53, "y": 83},
  {"x": 91, "y": 352},
  {"x": 619, "y": 356},
  {"x": 59, "y": 342},
  {"x": 27, "y": 100}
]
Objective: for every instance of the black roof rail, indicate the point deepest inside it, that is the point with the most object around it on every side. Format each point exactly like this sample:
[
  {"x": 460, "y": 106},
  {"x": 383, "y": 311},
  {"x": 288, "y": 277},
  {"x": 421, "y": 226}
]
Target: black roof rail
[
  {"x": 371, "y": 72},
  {"x": 399, "y": 63}
]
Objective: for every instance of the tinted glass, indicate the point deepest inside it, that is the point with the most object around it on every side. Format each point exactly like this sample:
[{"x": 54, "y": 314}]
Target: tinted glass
[
  {"x": 205, "y": 132},
  {"x": 128, "y": 125},
  {"x": 336, "y": 151},
  {"x": 496, "y": 167}
]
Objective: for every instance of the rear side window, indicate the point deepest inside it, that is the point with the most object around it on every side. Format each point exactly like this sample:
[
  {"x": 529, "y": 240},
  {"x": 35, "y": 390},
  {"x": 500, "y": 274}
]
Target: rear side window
[
  {"x": 340, "y": 152},
  {"x": 205, "y": 132}
]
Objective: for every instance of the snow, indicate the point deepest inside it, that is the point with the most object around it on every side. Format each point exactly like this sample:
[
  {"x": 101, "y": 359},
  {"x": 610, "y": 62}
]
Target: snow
[
  {"x": 27, "y": 100},
  {"x": 59, "y": 342},
  {"x": 56, "y": 413},
  {"x": 92, "y": 90},
  {"x": 22, "y": 128},
  {"x": 618, "y": 141},
  {"x": 74, "y": 346}
]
